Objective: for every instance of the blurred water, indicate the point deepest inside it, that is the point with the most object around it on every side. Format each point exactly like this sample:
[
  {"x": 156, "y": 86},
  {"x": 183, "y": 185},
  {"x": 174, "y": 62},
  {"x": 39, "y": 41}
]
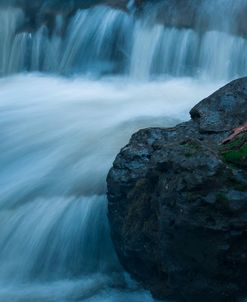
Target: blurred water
[
  {"x": 102, "y": 40},
  {"x": 58, "y": 140},
  {"x": 59, "y": 135}
]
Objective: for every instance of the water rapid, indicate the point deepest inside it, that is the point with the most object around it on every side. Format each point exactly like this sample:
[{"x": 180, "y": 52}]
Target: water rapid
[
  {"x": 70, "y": 98},
  {"x": 58, "y": 140}
]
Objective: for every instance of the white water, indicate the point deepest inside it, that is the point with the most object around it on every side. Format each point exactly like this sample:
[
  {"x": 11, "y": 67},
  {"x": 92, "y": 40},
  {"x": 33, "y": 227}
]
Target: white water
[
  {"x": 59, "y": 136},
  {"x": 58, "y": 140},
  {"x": 102, "y": 41}
]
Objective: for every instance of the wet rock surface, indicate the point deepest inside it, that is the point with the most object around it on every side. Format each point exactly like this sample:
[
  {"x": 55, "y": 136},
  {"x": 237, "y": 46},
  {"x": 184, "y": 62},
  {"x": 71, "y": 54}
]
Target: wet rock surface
[{"x": 178, "y": 203}]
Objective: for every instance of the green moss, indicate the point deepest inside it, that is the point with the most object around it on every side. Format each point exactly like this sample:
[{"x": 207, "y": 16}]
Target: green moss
[
  {"x": 192, "y": 145},
  {"x": 235, "y": 152},
  {"x": 141, "y": 218}
]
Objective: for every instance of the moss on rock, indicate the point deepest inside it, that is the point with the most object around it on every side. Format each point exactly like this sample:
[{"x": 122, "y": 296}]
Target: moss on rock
[{"x": 235, "y": 152}]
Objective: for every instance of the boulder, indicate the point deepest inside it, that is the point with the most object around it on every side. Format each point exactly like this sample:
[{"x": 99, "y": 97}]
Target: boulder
[{"x": 178, "y": 203}]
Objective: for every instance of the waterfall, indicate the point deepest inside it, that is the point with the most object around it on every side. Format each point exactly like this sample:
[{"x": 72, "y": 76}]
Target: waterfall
[
  {"x": 56, "y": 247},
  {"x": 74, "y": 85},
  {"x": 59, "y": 137},
  {"x": 103, "y": 40}
]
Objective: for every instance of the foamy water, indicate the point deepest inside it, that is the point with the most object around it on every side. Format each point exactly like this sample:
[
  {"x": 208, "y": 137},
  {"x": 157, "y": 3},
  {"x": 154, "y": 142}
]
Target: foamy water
[{"x": 59, "y": 138}]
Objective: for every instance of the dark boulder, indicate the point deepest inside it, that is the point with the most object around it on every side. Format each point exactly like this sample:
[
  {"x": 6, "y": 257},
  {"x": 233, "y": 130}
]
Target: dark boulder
[
  {"x": 178, "y": 203},
  {"x": 224, "y": 110}
]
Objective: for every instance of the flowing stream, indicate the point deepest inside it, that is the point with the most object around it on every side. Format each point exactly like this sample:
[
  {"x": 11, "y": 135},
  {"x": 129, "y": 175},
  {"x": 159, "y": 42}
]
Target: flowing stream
[{"x": 69, "y": 100}]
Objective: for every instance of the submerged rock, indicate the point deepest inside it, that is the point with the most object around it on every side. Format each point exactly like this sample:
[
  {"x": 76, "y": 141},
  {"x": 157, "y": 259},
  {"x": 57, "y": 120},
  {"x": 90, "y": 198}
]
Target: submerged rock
[{"x": 178, "y": 203}]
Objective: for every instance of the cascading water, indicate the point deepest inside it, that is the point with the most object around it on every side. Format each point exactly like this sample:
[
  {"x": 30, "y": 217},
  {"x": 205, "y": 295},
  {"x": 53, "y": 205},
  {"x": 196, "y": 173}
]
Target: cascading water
[
  {"x": 58, "y": 140},
  {"x": 105, "y": 41},
  {"x": 59, "y": 135}
]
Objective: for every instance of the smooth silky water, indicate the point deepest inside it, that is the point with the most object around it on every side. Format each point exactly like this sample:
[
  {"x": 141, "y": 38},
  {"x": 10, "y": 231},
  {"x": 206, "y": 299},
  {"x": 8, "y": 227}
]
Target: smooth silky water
[{"x": 67, "y": 106}]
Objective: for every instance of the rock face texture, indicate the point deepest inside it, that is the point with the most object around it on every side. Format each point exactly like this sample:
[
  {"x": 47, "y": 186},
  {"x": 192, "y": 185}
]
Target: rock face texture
[{"x": 178, "y": 203}]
